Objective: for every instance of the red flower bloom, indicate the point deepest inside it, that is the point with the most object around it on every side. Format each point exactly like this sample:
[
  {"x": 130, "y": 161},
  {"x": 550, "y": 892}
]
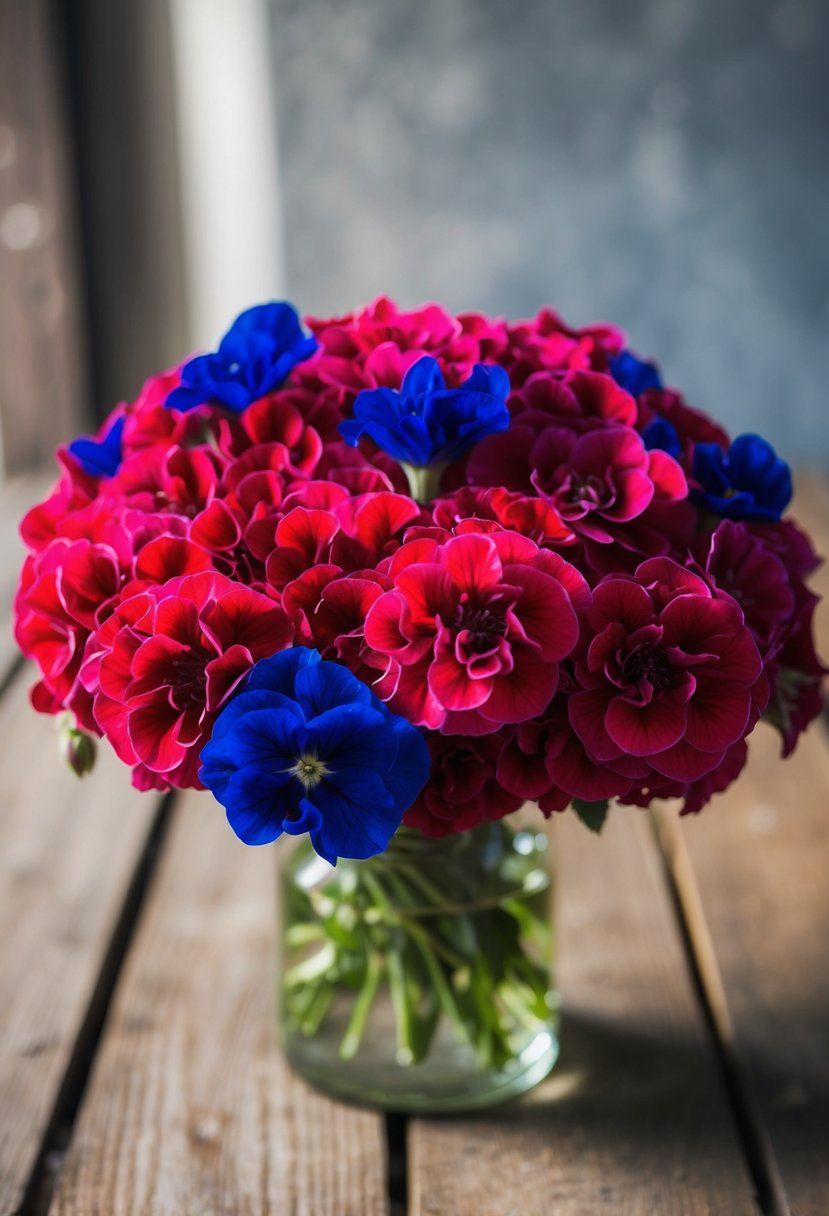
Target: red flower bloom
[
  {"x": 603, "y": 479},
  {"x": 165, "y": 662},
  {"x": 474, "y": 629},
  {"x": 462, "y": 791},
  {"x": 671, "y": 673}
]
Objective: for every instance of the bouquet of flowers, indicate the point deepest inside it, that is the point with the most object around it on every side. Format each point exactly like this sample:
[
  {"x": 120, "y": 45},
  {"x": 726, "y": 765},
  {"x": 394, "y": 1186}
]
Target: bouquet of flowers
[{"x": 406, "y": 568}]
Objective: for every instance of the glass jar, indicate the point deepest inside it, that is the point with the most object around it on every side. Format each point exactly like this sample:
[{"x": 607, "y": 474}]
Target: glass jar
[{"x": 421, "y": 979}]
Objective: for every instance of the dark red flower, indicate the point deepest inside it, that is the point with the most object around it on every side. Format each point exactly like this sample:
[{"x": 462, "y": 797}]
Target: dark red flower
[
  {"x": 463, "y": 790},
  {"x": 671, "y": 672}
]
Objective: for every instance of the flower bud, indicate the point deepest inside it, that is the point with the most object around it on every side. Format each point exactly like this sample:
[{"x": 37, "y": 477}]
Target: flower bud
[{"x": 78, "y": 750}]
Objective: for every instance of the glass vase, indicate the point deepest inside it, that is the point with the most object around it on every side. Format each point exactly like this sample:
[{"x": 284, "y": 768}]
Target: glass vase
[{"x": 421, "y": 979}]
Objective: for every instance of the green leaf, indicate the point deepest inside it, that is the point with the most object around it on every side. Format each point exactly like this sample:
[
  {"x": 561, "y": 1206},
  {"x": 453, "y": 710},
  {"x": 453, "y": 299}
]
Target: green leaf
[{"x": 592, "y": 814}]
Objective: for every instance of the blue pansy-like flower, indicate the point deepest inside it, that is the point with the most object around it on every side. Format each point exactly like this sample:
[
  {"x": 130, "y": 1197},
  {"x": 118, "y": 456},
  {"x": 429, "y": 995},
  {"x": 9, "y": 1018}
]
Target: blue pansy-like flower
[
  {"x": 100, "y": 457},
  {"x": 661, "y": 434},
  {"x": 748, "y": 481},
  {"x": 256, "y": 355},
  {"x": 306, "y": 747},
  {"x": 633, "y": 374},
  {"x": 426, "y": 423}
]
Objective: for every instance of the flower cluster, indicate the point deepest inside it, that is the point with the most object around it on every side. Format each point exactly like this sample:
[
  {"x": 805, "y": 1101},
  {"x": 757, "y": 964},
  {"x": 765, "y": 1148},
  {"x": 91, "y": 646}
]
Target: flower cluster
[{"x": 409, "y": 566}]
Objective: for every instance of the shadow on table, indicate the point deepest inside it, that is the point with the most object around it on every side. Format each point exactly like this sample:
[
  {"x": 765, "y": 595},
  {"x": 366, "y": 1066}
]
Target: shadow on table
[{"x": 652, "y": 1084}]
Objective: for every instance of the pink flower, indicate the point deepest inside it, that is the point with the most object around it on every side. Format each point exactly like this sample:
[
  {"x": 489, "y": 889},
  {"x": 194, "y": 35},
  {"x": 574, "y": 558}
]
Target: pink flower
[
  {"x": 166, "y": 660},
  {"x": 670, "y": 672},
  {"x": 547, "y": 343},
  {"x": 603, "y": 479},
  {"x": 473, "y": 630}
]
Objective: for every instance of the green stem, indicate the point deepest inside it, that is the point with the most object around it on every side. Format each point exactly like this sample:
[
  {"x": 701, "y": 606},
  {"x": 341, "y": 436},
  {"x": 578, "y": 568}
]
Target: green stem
[{"x": 362, "y": 1008}]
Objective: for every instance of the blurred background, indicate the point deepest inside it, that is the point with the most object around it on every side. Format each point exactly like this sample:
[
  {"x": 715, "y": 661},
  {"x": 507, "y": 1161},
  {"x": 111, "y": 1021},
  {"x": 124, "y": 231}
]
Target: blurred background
[{"x": 663, "y": 164}]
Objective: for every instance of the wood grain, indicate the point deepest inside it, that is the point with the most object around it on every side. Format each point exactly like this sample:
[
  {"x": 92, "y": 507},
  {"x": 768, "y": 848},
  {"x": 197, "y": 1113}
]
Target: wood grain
[
  {"x": 633, "y": 1119},
  {"x": 757, "y": 903},
  {"x": 43, "y": 387},
  {"x": 190, "y": 1108},
  {"x": 67, "y": 853}
]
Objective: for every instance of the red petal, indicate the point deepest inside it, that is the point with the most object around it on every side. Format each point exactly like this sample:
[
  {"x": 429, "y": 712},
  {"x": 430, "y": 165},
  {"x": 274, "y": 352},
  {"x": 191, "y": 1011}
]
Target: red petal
[
  {"x": 526, "y": 691},
  {"x": 544, "y": 611},
  {"x": 642, "y": 730},
  {"x": 473, "y": 563}
]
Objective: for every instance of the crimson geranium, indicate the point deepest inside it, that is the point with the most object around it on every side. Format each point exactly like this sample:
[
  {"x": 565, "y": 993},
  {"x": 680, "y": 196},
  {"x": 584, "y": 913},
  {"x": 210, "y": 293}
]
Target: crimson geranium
[{"x": 574, "y": 610}]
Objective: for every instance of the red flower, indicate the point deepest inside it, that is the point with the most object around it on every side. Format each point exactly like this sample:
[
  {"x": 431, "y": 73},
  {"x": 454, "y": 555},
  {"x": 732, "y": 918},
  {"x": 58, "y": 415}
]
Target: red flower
[
  {"x": 671, "y": 673},
  {"x": 165, "y": 662},
  {"x": 473, "y": 630},
  {"x": 603, "y": 479},
  {"x": 462, "y": 791}
]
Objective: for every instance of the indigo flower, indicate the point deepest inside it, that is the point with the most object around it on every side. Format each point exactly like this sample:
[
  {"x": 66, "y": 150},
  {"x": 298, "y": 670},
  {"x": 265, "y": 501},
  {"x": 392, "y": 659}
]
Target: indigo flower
[
  {"x": 100, "y": 457},
  {"x": 749, "y": 481},
  {"x": 306, "y": 747},
  {"x": 426, "y": 423},
  {"x": 661, "y": 435},
  {"x": 633, "y": 374},
  {"x": 256, "y": 355}
]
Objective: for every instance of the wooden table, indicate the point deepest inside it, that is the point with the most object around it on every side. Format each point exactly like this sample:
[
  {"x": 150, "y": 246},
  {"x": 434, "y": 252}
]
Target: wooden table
[{"x": 137, "y": 1067}]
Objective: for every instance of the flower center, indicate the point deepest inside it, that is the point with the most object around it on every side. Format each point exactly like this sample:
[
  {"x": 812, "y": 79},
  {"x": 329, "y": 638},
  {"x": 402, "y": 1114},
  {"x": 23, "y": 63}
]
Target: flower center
[
  {"x": 648, "y": 664},
  {"x": 188, "y": 684},
  {"x": 309, "y": 771},
  {"x": 591, "y": 490},
  {"x": 483, "y": 626}
]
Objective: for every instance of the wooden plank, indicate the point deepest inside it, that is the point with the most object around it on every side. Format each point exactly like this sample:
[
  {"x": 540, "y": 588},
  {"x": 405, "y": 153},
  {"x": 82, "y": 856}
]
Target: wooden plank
[
  {"x": 68, "y": 850},
  {"x": 190, "y": 1108},
  {"x": 633, "y": 1119},
  {"x": 16, "y": 496},
  {"x": 43, "y": 396},
  {"x": 751, "y": 875}
]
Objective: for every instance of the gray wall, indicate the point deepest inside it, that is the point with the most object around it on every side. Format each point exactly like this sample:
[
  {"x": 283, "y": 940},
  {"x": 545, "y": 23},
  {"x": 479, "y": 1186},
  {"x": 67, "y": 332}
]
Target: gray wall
[{"x": 660, "y": 163}]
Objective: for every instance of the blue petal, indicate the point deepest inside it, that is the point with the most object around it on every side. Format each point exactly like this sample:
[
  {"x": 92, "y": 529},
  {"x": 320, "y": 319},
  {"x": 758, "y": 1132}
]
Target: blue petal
[
  {"x": 634, "y": 375},
  {"x": 100, "y": 457},
  {"x": 488, "y": 378},
  {"x": 427, "y": 423},
  {"x": 324, "y": 685},
  {"x": 661, "y": 435},
  {"x": 423, "y": 377},
  {"x": 257, "y": 803},
  {"x": 353, "y": 736},
  {"x": 280, "y": 671},
  {"x": 410, "y": 771},
  {"x": 268, "y": 739},
  {"x": 250, "y": 699},
  {"x": 254, "y": 358},
  {"x": 308, "y": 819},
  {"x": 359, "y": 817}
]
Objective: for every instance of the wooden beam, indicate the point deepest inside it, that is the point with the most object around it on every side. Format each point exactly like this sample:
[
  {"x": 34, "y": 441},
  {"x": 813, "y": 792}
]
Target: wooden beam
[
  {"x": 69, "y": 853},
  {"x": 190, "y": 1107}
]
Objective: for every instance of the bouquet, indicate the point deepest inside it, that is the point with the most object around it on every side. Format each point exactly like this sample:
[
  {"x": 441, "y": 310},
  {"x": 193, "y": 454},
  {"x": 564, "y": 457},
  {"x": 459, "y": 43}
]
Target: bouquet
[{"x": 394, "y": 575}]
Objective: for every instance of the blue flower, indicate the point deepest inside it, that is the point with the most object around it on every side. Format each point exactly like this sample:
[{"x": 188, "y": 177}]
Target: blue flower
[
  {"x": 749, "y": 481},
  {"x": 662, "y": 434},
  {"x": 633, "y": 374},
  {"x": 100, "y": 457},
  {"x": 427, "y": 423},
  {"x": 306, "y": 747},
  {"x": 256, "y": 355}
]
